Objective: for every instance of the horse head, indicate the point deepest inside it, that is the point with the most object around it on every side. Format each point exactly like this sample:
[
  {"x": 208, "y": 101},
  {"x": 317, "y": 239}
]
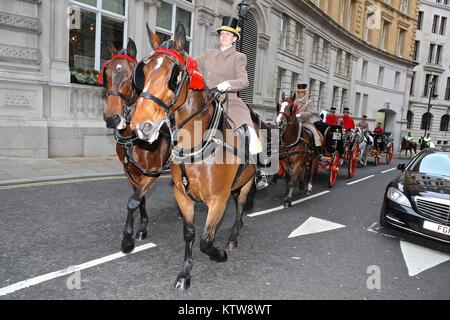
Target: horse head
[
  {"x": 286, "y": 112},
  {"x": 162, "y": 78},
  {"x": 116, "y": 76}
]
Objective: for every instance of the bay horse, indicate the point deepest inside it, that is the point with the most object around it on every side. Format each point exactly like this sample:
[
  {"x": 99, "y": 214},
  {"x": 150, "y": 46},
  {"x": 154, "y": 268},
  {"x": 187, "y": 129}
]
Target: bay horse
[
  {"x": 142, "y": 162},
  {"x": 174, "y": 94},
  {"x": 408, "y": 146},
  {"x": 297, "y": 157}
]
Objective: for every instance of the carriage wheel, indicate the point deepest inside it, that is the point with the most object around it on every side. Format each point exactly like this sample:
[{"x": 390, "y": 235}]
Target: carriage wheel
[
  {"x": 390, "y": 154},
  {"x": 334, "y": 170},
  {"x": 353, "y": 162}
]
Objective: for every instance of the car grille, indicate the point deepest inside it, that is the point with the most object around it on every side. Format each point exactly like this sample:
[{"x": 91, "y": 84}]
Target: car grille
[{"x": 435, "y": 210}]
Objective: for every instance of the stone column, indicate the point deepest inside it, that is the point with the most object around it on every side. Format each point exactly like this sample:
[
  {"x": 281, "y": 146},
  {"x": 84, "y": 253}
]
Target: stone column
[
  {"x": 150, "y": 10},
  {"x": 204, "y": 21},
  {"x": 333, "y": 69},
  {"x": 352, "y": 90},
  {"x": 309, "y": 42}
]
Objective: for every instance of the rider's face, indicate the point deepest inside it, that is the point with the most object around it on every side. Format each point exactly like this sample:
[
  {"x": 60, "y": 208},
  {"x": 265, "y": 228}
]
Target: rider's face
[{"x": 227, "y": 38}]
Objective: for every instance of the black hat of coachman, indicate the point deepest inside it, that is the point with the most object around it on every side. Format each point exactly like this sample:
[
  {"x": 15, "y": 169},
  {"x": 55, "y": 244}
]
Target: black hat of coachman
[
  {"x": 301, "y": 87},
  {"x": 346, "y": 109},
  {"x": 230, "y": 24}
]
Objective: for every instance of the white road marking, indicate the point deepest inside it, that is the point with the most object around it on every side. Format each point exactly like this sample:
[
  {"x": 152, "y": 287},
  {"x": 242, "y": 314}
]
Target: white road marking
[
  {"x": 315, "y": 225},
  {"x": 259, "y": 213},
  {"x": 359, "y": 180},
  {"x": 386, "y": 171},
  {"x": 49, "y": 276},
  {"x": 419, "y": 259}
]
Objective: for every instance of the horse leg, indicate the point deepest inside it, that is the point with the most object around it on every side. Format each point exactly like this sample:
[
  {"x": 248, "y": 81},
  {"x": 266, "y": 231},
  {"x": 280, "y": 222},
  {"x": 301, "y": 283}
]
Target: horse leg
[
  {"x": 216, "y": 209},
  {"x": 311, "y": 175},
  {"x": 141, "y": 234},
  {"x": 294, "y": 175},
  {"x": 240, "y": 198},
  {"x": 186, "y": 205}
]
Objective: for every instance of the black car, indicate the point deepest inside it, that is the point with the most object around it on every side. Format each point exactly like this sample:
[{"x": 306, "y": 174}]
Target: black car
[{"x": 418, "y": 200}]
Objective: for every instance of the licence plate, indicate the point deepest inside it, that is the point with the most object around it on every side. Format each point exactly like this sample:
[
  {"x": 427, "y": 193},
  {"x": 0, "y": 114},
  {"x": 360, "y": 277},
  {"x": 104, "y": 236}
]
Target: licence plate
[
  {"x": 337, "y": 136},
  {"x": 439, "y": 228}
]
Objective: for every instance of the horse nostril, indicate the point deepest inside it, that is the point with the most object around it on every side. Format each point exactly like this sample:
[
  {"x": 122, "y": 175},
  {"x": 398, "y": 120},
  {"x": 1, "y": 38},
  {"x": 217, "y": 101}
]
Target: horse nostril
[
  {"x": 147, "y": 129},
  {"x": 113, "y": 122}
]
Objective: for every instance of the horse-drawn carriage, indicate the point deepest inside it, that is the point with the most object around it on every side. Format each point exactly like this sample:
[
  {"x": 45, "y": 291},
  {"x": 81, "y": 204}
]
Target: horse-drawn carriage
[
  {"x": 340, "y": 146},
  {"x": 382, "y": 144}
]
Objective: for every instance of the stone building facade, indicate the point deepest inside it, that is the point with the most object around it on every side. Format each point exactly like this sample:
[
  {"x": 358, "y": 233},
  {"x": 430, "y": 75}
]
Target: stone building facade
[
  {"x": 47, "y": 111},
  {"x": 432, "y": 75}
]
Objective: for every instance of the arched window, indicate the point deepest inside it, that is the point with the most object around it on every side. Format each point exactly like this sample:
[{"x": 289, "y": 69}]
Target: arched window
[
  {"x": 426, "y": 121},
  {"x": 409, "y": 119},
  {"x": 249, "y": 47},
  {"x": 444, "y": 122}
]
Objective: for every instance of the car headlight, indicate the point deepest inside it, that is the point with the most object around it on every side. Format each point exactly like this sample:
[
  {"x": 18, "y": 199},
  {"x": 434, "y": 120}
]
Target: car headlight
[{"x": 397, "y": 196}]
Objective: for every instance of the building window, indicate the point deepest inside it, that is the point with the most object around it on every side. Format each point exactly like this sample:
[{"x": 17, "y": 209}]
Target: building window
[
  {"x": 443, "y": 26},
  {"x": 294, "y": 82},
  {"x": 364, "y": 71},
  {"x": 322, "y": 97},
  {"x": 409, "y": 119},
  {"x": 435, "y": 24},
  {"x": 321, "y": 51},
  {"x": 381, "y": 76},
  {"x": 447, "y": 90},
  {"x": 431, "y": 53},
  {"x": 444, "y": 123},
  {"x": 397, "y": 80},
  {"x": 420, "y": 20},
  {"x": 434, "y": 80},
  {"x": 404, "y": 6},
  {"x": 385, "y": 35},
  {"x": 335, "y": 102},
  {"x": 365, "y": 103},
  {"x": 313, "y": 91},
  {"x": 351, "y": 8},
  {"x": 344, "y": 100},
  {"x": 413, "y": 83},
  {"x": 437, "y": 59},
  {"x": 400, "y": 42},
  {"x": 94, "y": 25},
  {"x": 279, "y": 84},
  {"x": 426, "y": 121},
  {"x": 283, "y": 32},
  {"x": 298, "y": 40},
  {"x": 169, "y": 16},
  {"x": 357, "y": 104},
  {"x": 416, "y": 50}
]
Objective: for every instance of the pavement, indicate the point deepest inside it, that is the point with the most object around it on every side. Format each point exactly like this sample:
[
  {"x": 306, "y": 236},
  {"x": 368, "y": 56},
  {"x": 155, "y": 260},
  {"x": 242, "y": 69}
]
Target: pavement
[{"x": 15, "y": 170}]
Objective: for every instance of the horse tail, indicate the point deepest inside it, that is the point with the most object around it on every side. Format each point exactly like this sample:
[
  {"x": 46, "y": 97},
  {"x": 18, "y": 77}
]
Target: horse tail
[{"x": 250, "y": 201}]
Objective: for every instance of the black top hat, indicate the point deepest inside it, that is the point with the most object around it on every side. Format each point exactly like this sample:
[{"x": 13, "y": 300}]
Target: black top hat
[
  {"x": 346, "y": 109},
  {"x": 302, "y": 86},
  {"x": 333, "y": 109},
  {"x": 230, "y": 24},
  {"x": 364, "y": 116}
]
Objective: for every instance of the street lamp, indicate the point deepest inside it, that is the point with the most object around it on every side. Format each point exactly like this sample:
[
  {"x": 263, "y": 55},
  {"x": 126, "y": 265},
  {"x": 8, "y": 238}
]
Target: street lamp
[
  {"x": 432, "y": 96},
  {"x": 243, "y": 9}
]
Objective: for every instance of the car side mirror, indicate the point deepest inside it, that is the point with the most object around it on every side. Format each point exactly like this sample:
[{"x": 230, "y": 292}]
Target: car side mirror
[{"x": 401, "y": 167}]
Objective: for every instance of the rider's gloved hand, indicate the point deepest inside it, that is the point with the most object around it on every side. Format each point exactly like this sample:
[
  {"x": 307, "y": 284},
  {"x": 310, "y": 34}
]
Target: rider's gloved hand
[{"x": 224, "y": 86}]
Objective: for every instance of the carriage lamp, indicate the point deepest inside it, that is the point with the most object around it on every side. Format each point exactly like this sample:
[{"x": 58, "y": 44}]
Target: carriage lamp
[{"x": 243, "y": 8}]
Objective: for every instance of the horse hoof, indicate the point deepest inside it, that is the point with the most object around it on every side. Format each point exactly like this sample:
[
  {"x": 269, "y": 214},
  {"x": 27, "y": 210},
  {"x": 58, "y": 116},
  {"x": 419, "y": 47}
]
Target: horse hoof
[
  {"x": 142, "y": 235},
  {"x": 182, "y": 284},
  {"x": 127, "y": 245},
  {"x": 220, "y": 258},
  {"x": 232, "y": 246},
  {"x": 308, "y": 193},
  {"x": 288, "y": 204}
]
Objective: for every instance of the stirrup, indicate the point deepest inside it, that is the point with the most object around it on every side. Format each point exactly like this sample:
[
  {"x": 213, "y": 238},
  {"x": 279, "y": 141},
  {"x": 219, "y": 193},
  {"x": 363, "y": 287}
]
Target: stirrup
[{"x": 261, "y": 180}]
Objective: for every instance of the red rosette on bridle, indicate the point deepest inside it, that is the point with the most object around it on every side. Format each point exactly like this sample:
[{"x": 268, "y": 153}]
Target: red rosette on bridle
[{"x": 197, "y": 82}]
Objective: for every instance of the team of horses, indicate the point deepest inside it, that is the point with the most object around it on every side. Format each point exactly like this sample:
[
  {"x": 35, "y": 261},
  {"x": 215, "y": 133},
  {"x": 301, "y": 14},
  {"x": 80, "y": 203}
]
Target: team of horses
[{"x": 164, "y": 117}]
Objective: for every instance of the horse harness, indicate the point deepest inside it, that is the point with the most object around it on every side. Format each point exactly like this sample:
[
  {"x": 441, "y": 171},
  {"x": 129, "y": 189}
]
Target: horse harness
[{"x": 181, "y": 75}]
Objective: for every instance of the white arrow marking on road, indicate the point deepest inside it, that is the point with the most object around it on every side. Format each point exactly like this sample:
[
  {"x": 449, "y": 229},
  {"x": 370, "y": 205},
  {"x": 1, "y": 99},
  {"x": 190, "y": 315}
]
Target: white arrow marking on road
[
  {"x": 315, "y": 225},
  {"x": 259, "y": 213},
  {"x": 419, "y": 259},
  {"x": 362, "y": 179},
  {"x": 49, "y": 276},
  {"x": 386, "y": 171}
]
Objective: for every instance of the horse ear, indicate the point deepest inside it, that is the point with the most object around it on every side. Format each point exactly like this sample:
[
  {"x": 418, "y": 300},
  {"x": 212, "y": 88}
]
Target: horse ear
[
  {"x": 155, "y": 41},
  {"x": 131, "y": 48},
  {"x": 112, "y": 49},
  {"x": 180, "y": 37},
  {"x": 294, "y": 96}
]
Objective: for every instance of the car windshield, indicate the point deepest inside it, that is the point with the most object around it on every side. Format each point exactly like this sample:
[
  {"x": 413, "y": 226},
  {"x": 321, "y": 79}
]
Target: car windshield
[{"x": 434, "y": 164}]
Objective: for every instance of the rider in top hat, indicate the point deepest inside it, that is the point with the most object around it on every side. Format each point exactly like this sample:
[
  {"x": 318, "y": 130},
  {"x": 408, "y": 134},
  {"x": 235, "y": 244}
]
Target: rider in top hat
[
  {"x": 364, "y": 126},
  {"x": 303, "y": 108},
  {"x": 348, "y": 122},
  {"x": 225, "y": 69},
  {"x": 331, "y": 117}
]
